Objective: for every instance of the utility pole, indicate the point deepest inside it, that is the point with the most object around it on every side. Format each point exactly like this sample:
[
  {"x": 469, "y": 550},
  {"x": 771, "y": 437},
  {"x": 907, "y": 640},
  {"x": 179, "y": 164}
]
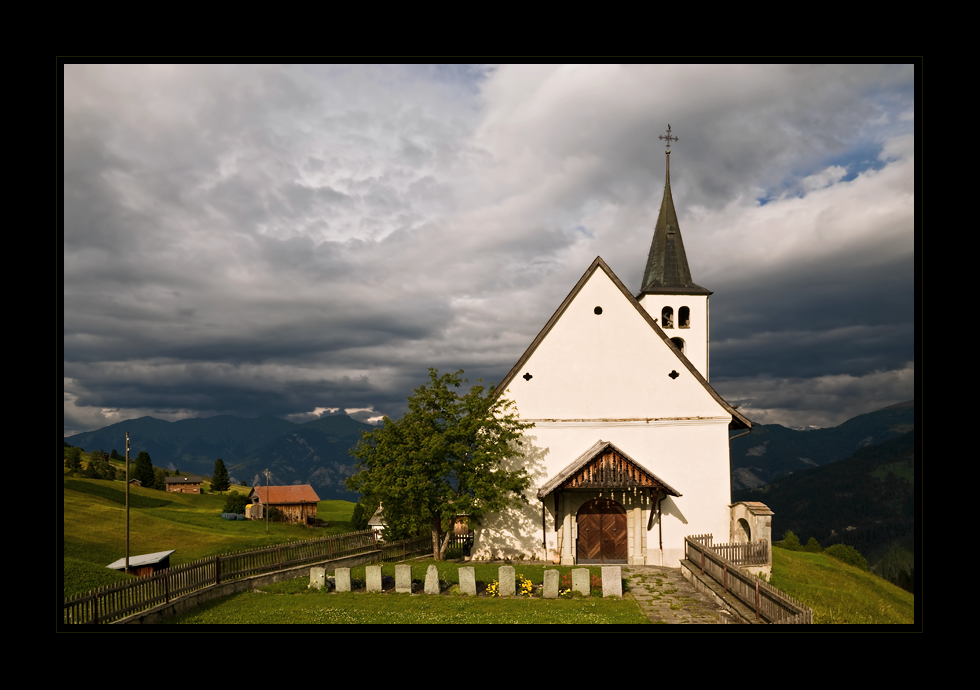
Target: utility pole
[
  {"x": 266, "y": 501},
  {"x": 127, "y": 504}
]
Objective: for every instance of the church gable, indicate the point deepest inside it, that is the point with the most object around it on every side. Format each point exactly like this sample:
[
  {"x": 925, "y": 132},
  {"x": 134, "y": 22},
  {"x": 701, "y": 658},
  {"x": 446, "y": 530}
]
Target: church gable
[{"x": 601, "y": 356}]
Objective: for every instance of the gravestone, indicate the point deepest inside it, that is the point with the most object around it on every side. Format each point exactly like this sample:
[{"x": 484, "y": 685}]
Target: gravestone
[
  {"x": 432, "y": 580},
  {"x": 612, "y": 581},
  {"x": 467, "y": 581},
  {"x": 580, "y": 581},
  {"x": 374, "y": 578},
  {"x": 505, "y": 578},
  {"x": 317, "y": 578},
  {"x": 342, "y": 578},
  {"x": 551, "y": 584},
  {"x": 403, "y": 579}
]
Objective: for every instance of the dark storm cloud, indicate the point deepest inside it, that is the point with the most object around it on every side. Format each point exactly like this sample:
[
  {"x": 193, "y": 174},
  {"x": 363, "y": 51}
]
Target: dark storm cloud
[{"x": 278, "y": 240}]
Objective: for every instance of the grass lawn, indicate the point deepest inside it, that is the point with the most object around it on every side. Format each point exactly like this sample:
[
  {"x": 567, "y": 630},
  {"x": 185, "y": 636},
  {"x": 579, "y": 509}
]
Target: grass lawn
[
  {"x": 95, "y": 529},
  {"x": 291, "y": 602},
  {"x": 840, "y": 593}
]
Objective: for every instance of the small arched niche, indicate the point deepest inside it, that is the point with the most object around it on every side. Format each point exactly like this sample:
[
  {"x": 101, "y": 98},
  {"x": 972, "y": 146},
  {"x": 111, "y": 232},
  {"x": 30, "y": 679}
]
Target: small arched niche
[
  {"x": 743, "y": 533},
  {"x": 679, "y": 342}
]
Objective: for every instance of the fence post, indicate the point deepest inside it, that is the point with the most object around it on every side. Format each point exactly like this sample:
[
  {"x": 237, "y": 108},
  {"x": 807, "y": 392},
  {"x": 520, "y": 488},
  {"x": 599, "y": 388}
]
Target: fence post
[
  {"x": 757, "y": 600},
  {"x": 726, "y": 578},
  {"x": 96, "y": 620},
  {"x": 217, "y": 570}
]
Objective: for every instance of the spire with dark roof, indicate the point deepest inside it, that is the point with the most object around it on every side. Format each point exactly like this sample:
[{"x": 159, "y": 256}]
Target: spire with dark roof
[{"x": 667, "y": 271}]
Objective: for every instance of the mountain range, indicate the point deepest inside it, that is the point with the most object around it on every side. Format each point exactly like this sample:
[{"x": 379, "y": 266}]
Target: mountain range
[
  {"x": 315, "y": 452},
  {"x": 771, "y": 451}
]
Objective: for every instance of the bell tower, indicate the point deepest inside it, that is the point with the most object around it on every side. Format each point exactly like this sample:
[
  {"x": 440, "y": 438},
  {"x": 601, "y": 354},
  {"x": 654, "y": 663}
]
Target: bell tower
[{"x": 669, "y": 295}]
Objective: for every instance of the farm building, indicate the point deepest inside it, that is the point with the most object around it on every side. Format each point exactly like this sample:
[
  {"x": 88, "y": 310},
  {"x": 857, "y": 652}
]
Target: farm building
[
  {"x": 297, "y": 502},
  {"x": 183, "y": 485},
  {"x": 145, "y": 564},
  {"x": 630, "y": 449}
]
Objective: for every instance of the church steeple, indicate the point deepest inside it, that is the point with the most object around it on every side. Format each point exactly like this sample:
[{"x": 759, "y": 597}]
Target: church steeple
[
  {"x": 667, "y": 271},
  {"x": 669, "y": 295}
]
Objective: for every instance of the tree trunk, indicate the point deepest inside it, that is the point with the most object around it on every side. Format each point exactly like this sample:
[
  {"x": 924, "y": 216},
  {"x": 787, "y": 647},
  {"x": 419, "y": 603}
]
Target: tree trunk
[
  {"x": 435, "y": 538},
  {"x": 445, "y": 545}
]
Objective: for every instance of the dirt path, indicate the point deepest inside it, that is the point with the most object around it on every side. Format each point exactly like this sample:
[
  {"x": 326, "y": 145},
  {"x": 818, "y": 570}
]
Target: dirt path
[{"x": 666, "y": 597}]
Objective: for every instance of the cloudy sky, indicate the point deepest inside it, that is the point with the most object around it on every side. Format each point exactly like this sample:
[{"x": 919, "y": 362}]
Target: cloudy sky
[{"x": 304, "y": 240}]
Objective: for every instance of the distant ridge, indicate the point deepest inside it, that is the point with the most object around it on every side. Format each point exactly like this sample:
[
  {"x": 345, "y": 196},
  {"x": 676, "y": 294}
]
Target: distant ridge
[
  {"x": 313, "y": 452},
  {"x": 772, "y": 451}
]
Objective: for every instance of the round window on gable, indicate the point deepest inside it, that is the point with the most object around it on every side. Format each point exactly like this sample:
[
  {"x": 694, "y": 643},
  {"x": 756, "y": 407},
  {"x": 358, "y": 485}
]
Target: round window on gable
[{"x": 598, "y": 310}]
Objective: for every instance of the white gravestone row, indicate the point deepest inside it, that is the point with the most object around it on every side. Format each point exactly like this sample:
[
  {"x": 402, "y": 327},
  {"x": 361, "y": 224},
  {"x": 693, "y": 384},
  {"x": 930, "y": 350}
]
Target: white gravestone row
[{"x": 612, "y": 582}]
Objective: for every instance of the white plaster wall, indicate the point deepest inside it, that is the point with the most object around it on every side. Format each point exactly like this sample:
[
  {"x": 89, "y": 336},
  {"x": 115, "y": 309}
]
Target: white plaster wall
[
  {"x": 606, "y": 377},
  {"x": 611, "y": 365},
  {"x": 696, "y": 337},
  {"x": 693, "y": 458}
]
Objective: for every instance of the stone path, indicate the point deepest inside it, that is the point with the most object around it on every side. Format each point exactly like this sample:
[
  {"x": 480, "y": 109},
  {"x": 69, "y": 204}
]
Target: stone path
[{"x": 666, "y": 597}]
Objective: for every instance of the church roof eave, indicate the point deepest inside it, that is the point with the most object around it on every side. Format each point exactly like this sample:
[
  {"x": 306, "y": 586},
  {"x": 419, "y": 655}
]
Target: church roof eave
[{"x": 692, "y": 289}]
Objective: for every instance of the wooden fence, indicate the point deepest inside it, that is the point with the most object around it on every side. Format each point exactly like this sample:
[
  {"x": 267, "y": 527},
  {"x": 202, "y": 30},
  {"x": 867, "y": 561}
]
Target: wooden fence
[
  {"x": 747, "y": 553},
  {"x": 114, "y": 602},
  {"x": 407, "y": 548},
  {"x": 769, "y": 604}
]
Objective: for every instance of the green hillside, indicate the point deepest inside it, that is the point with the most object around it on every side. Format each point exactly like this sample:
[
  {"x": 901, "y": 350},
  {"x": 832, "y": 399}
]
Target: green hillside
[
  {"x": 866, "y": 501},
  {"x": 840, "y": 593},
  {"x": 95, "y": 528}
]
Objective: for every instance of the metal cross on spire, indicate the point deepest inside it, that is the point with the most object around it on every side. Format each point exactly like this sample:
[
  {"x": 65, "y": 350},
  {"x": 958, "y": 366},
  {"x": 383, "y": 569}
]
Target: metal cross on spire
[{"x": 668, "y": 138}]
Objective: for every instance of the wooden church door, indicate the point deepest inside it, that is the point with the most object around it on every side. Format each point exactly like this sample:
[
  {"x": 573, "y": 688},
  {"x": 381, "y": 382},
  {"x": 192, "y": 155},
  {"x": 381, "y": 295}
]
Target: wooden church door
[{"x": 601, "y": 532}]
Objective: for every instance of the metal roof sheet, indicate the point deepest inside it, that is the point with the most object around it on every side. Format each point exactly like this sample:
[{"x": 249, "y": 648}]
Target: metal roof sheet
[
  {"x": 182, "y": 480},
  {"x": 143, "y": 559},
  {"x": 279, "y": 495},
  {"x": 667, "y": 269}
]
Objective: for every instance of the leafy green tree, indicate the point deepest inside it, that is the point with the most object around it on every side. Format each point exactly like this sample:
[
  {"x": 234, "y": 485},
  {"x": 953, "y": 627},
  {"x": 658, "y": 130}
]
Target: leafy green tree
[
  {"x": 73, "y": 458},
  {"x": 363, "y": 511},
  {"x": 236, "y": 503},
  {"x": 357, "y": 518},
  {"x": 219, "y": 480},
  {"x": 847, "y": 554},
  {"x": 444, "y": 458},
  {"x": 115, "y": 455},
  {"x": 791, "y": 542},
  {"x": 142, "y": 470},
  {"x": 813, "y": 546}
]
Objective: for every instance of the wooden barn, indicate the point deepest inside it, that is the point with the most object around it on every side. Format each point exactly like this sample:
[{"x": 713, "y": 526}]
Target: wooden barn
[
  {"x": 297, "y": 502},
  {"x": 183, "y": 485}
]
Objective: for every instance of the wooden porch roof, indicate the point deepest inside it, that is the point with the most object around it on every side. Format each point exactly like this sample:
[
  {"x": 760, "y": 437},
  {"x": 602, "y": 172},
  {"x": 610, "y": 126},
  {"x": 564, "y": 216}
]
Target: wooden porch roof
[{"x": 604, "y": 466}]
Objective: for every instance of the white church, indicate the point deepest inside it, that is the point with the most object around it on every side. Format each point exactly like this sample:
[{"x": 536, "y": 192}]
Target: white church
[{"x": 629, "y": 452}]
